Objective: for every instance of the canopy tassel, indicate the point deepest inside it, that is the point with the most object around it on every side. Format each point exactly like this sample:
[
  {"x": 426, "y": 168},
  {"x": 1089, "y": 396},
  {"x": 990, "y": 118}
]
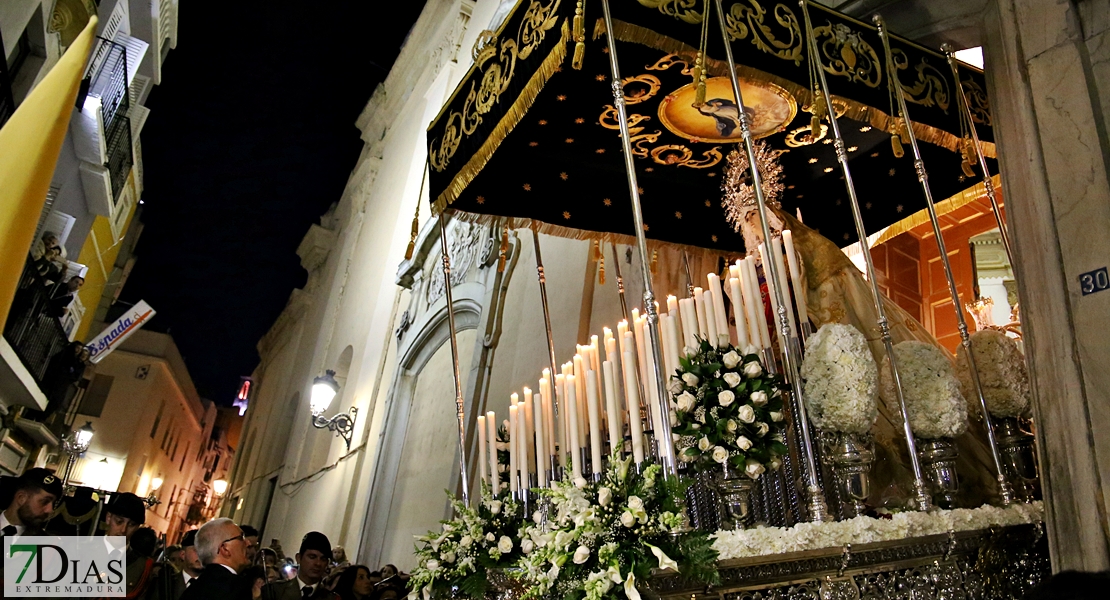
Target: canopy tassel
[
  {"x": 897, "y": 136},
  {"x": 503, "y": 252},
  {"x": 699, "y": 61},
  {"x": 579, "y": 35},
  {"x": 416, "y": 217},
  {"x": 600, "y": 256},
  {"x": 968, "y": 150},
  {"x": 817, "y": 107}
]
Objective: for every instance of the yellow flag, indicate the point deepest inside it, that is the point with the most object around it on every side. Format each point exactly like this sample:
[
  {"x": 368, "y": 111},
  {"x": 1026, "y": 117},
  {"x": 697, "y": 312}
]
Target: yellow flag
[{"x": 29, "y": 146}]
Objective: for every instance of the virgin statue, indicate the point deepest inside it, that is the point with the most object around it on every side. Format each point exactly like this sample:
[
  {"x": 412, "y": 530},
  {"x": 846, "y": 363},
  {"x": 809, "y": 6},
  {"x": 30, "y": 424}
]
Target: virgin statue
[{"x": 837, "y": 292}]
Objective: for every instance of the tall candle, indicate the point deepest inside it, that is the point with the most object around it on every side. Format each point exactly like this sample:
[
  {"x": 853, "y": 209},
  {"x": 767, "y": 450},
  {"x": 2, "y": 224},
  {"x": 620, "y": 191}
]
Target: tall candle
[
  {"x": 491, "y": 433},
  {"x": 540, "y": 451},
  {"x": 672, "y": 303},
  {"x": 638, "y": 363},
  {"x": 749, "y": 303},
  {"x": 616, "y": 432},
  {"x": 757, "y": 296},
  {"x": 545, "y": 397},
  {"x": 640, "y": 344},
  {"x": 594, "y": 408},
  {"x": 665, "y": 345},
  {"x": 710, "y": 317},
  {"x": 699, "y": 309},
  {"x": 529, "y": 431},
  {"x": 513, "y": 439},
  {"x": 572, "y": 425},
  {"x": 522, "y": 443},
  {"x": 689, "y": 323},
  {"x": 776, "y": 246},
  {"x": 580, "y": 393},
  {"x": 632, "y": 396},
  {"x": 772, "y": 295},
  {"x": 796, "y": 276},
  {"x": 670, "y": 336},
  {"x": 738, "y": 311},
  {"x": 719, "y": 307},
  {"x": 482, "y": 461},
  {"x": 562, "y": 431},
  {"x": 651, "y": 388}
]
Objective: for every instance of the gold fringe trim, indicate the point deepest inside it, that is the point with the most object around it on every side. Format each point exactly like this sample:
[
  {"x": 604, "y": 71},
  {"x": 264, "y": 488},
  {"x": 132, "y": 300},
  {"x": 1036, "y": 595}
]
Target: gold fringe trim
[
  {"x": 944, "y": 207},
  {"x": 858, "y": 111},
  {"x": 509, "y": 122},
  {"x": 581, "y": 234}
]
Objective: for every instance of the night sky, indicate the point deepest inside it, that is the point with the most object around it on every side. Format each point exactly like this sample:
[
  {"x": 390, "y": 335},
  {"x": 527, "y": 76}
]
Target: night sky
[{"x": 251, "y": 138}]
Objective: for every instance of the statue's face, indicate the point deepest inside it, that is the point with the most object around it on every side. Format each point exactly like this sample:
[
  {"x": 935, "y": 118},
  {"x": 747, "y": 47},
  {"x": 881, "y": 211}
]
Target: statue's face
[{"x": 753, "y": 228}]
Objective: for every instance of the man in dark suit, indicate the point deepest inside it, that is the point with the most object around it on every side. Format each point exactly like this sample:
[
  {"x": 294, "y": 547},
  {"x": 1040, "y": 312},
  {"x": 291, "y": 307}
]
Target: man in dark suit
[
  {"x": 171, "y": 583},
  {"x": 222, "y": 549},
  {"x": 32, "y": 504},
  {"x": 312, "y": 567}
]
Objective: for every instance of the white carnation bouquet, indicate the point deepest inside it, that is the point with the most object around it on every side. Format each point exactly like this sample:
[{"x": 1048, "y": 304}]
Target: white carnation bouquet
[
  {"x": 727, "y": 409},
  {"x": 934, "y": 404},
  {"x": 842, "y": 380},
  {"x": 1002, "y": 374}
]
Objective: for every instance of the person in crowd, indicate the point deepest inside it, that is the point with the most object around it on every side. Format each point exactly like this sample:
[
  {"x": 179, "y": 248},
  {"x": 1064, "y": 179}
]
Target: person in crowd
[
  {"x": 340, "y": 557},
  {"x": 50, "y": 266},
  {"x": 256, "y": 575},
  {"x": 170, "y": 584},
  {"x": 32, "y": 504},
  {"x": 222, "y": 550},
  {"x": 312, "y": 565},
  {"x": 124, "y": 514},
  {"x": 175, "y": 555},
  {"x": 62, "y": 297},
  {"x": 252, "y": 538},
  {"x": 140, "y": 561},
  {"x": 355, "y": 583},
  {"x": 65, "y": 369},
  {"x": 48, "y": 241}
]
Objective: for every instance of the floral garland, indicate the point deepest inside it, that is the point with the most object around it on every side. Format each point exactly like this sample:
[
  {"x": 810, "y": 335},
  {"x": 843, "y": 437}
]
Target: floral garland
[
  {"x": 600, "y": 537},
  {"x": 727, "y": 409},
  {"x": 934, "y": 404},
  {"x": 1002, "y": 374},
  {"x": 762, "y": 541},
  {"x": 842, "y": 380},
  {"x": 476, "y": 540}
]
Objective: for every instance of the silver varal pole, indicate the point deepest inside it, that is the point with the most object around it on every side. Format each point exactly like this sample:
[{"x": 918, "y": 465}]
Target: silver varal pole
[
  {"x": 459, "y": 412},
  {"x": 663, "y": 438},
  {"x": 817, "y": 507},
  {"x": 1004, "y": 488},
  {"x": 550, "y": 338},
  {"x": 987, "y": 183}
]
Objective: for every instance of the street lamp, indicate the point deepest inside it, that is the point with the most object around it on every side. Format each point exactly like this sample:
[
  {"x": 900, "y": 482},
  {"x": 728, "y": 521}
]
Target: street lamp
[
  {"x": 152, "y": 498},
  {"x": 75, "y": 444},
  {"x": 324, "y": 389},
  {"x": 219, "y": 486}
]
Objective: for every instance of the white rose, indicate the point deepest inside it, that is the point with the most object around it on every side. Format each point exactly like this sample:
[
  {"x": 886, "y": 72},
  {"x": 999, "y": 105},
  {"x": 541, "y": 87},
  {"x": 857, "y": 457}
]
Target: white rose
[
  {"x": 674, "y": 418},
  {"x": 703, "y": 444},
  {"x": 753, "y": 469},
  {"x": 494, "y": 506},
  {"x": 553, "y": 573},
  {"x": 686, "y": 402},
  {"x": 527, "y": 546},
  {"x": 581, "y": 555},
  {"x": 448, "y": 557},
  {"x": 627, "y": 519},
  {"x": 759, "y": 398},
  {"x": 753, "y": 369},
  {"x": 731, "y": 359},
  {"x": 731, "y": 426},
  {"x": 490, "y": 537},
  {"x": 690, "y": 379},
  {"x": 692, "y": 426},
  {"x": 732, "y": 379},
  {"x": 604, "y": 496},
  {"x": 579, "y": 482},
  {"x": 720, "y": 455},
  {"x": 743, "y": 443},
  {"x": 537, "y": 516},
  {"x": 466, "y": 541},
  {"x": 505, "y": 544},
  {"x": 775, "y": 463},
  {"x": 750, "y": 349},
  {"x": 431, "y": 565},
  {"x": 776, "y": 416},
  {"x": 761, "y": 429},
  {"x": 726, "y": 397},
  {"x": 674, "y": 386},
  {"x": 746, "y": 414},
  {"x": 635, "y": 503}
]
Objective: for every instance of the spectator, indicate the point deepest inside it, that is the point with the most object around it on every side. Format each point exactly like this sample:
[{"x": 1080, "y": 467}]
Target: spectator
[
  {"x": 355, "y": 583},
  {"x": 63, "y": 296},
  {"x": 50, "y": 266},
  {"x": 312, "y": 566},
  {"x": 49, "y": 240},
  {"x": 175, "y": 555},
  {"x": 222, "y": 550},
  {"x": 64, "y": 370},
  {"x": 140, "y": 561},
  {"x": 252, "y": 538},
  {"x": 340, "y": 557},
  {"x": 124, "y": 515},
  {"x": 33, "y": 503}
]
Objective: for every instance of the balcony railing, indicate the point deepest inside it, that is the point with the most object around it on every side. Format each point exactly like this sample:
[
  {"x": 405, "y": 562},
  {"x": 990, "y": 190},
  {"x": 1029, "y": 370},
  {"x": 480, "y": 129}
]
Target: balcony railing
[
  {"x": 120, "y": 157},
  {"x": 108, "y": 71},
  {"x": 34, "y": 334}
]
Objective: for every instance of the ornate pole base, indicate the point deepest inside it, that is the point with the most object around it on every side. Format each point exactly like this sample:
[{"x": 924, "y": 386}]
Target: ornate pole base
[
  {"x": 1019, "y": 458},
  {"x": 938, "y": 459},
  {"x": 850, "y": 456}
]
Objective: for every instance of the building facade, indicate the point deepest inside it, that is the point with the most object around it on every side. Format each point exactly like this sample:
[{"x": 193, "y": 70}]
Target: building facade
[{"x": 385, "y": 334}]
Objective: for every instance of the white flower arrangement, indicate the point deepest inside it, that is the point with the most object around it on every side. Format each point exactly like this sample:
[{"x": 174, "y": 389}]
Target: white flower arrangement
[
  {"x": 1002, "y": 374},
  {"x": 728, "y": 411},
  {"x": 842, "y": 380},
  {"x": 935, "y": 406},
  {"x": 762, "y": 541}
]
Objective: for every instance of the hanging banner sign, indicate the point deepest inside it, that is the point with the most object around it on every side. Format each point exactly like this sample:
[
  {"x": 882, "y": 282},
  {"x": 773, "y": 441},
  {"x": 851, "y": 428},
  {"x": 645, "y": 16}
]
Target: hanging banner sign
[{"x": 114, "y": 334}]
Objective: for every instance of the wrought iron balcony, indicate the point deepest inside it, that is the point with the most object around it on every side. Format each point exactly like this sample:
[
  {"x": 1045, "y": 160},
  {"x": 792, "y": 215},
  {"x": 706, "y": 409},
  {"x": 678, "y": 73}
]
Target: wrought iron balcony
[
  {"x": 33, "y": 332},
  {"x": 103, "y": 129},
  {"x": 108, "y": 71}
]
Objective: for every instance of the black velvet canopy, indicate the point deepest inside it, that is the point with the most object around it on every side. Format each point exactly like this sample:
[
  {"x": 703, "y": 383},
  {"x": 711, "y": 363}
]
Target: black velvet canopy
[{"x": 530, "y": 138}]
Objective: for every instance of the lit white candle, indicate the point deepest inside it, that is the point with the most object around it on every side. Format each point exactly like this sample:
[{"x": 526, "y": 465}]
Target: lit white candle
[
  {"x": 546, "y": 396},
  {"x": 632, "y": 396},
  {"x": 482, "y": 476},
  {"x": 522, "y": 443},
  {"x": 562, "y": 431},
  {"x": 616, "y": 432},
  {"x": 572, "y": 425},
  {"x": 580, "y": 395},
  {"x": 540, "y": 451},
  {"x": 491, "y": 435},
  {"x": 719, "y": 308},
  {"x": 672, "y": 303},
  {"x": 594, "y": 408},
  {"x": 776, "y": 246},
  {"x": 699, "y": 309},
  {"x": 749, "y": 303},
  {"x": 689, "y": 323},
  {"x": 710, "y": 307},
  {"x": 772, "y": 295},
  {"x": 760, "y": 308},
  {"x": 651, "y": 387},
  {"x": 738, "y": 311},
  {"x": 513, "y": 439},
  {"x": 529, "y": 431},
  {"x": 796, "y": 276},
  {"x": 640, "y": 345},
  {"x": 670, "y": 338}
]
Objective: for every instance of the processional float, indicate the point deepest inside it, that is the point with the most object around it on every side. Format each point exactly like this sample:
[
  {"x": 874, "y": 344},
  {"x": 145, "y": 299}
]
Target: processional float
[{"x": 548, "y": 131}]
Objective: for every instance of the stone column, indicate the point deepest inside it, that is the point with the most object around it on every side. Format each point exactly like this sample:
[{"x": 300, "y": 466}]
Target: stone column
[{"x": 1049, "y": 83}]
